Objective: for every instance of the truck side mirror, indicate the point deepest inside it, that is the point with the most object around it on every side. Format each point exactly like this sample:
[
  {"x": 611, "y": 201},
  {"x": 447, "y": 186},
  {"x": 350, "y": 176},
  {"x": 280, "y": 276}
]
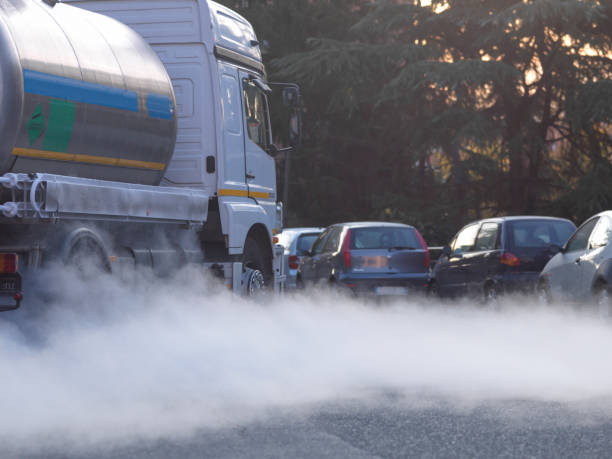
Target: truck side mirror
[
  {"x": 288, "y": 114},
  {"x": 293, "y": 101}
]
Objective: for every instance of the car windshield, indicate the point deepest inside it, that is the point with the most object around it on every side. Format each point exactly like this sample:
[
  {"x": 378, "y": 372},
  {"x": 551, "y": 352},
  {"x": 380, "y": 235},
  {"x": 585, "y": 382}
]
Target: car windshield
[
  {"x": 304, "y": 243},
  {"x": 384, "y": 237},
  {"x": 539, "y": 233}
]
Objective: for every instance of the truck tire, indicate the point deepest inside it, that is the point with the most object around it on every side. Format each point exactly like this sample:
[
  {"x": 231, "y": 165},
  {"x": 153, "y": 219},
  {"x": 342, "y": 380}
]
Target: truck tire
[
  {"x": 88, "y": 258},
  {"x": 256, "y": 276}
]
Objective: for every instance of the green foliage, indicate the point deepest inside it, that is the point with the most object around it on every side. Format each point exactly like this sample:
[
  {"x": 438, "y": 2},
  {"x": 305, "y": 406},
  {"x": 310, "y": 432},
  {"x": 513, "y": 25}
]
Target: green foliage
[{"x": 438, "y": 114}]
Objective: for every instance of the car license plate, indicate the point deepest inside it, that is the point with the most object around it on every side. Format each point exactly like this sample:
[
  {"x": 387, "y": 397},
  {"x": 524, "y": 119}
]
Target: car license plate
[{"x": 391, "y": 290}]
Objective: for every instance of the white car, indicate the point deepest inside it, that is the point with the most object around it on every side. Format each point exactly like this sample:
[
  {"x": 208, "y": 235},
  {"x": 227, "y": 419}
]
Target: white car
[
  {"x": 582, "y": 270},
  {"x": 296, "y": 241}
]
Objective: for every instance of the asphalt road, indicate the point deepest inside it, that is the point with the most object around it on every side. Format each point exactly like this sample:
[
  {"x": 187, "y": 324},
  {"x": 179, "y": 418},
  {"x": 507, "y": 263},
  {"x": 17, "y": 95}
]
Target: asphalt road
[
  {"x": 117, "y": 369},
  {"x": 387, "y": 428}
]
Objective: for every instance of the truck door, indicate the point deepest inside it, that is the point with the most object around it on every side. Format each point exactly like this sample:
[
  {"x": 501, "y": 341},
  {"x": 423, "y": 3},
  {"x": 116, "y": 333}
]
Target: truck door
[
  {"x": 233, "y": 179},
  {"x": 259, "y": 165}
]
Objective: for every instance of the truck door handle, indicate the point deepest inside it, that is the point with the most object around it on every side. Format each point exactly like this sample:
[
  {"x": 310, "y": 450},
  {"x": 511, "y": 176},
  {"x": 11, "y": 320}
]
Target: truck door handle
[{"x": 250, "y": 176}]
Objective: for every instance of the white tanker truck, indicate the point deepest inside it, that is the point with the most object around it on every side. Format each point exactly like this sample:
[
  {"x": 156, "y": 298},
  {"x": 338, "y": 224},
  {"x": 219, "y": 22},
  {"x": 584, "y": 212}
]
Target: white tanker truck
[{"x": 137, "y": 136}]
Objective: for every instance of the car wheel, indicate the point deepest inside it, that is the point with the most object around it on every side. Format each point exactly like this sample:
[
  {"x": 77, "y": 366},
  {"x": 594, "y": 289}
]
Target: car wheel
[
  {"x": 543, "y": 293},
  {"x": 299, "y": 283},
  {"x": 491, "y": 295},
  {"x": 603, "y": 300}
]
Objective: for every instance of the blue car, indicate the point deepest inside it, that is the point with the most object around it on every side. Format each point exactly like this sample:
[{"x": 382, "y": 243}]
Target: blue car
[
  {"x": 498, "y": 255},
  {"x": 368, "y": 258}
]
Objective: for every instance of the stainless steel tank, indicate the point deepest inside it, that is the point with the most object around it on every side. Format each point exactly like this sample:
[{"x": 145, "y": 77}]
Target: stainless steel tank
[{"x": 81, "y": 94}]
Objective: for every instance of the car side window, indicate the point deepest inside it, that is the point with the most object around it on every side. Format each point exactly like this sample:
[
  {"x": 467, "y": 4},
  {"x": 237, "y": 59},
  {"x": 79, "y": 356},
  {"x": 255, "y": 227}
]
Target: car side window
[
  {"x": 331, "y": 244},
  {"x": 580, "y": 239},
  {"x": 487, "y": 237},
  {"x": 464, "y": 242},
  {"x": 317, "y": 246},
  {"x": 601, "y": 234}
]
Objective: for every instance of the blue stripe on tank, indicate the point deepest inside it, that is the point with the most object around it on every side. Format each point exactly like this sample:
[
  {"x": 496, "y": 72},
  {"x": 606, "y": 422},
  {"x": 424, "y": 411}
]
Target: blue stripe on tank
[
  {"x": 45, "y": 84},
  {"x": 159, "y": 106}
]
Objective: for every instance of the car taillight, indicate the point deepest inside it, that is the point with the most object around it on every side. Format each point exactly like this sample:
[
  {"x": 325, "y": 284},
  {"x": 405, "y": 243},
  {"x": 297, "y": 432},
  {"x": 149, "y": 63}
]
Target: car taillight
[
  {"x": 346, "y": 249},
  {"x": 8, "y": 262},
  {"x": 424, "y": 247},
  {"x": 509, "y": 259},
  {"x": 294, "y": 261}
]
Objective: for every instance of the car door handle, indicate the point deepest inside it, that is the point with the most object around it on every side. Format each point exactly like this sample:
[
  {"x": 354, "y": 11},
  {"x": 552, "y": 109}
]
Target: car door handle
[
  {"x": 250, "y": 176},
  {"x": 577, "y": 261}
]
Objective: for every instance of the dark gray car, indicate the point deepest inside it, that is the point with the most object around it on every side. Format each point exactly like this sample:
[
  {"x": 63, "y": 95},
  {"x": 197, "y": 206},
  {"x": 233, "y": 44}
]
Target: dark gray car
[
  {"x": 497, "y": 255},
  {"x": 368, "y": 258}
]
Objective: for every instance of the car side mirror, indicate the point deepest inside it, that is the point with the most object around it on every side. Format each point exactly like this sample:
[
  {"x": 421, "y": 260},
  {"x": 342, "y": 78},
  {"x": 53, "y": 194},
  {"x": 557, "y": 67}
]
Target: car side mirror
[{"x": 446, "y": 251}]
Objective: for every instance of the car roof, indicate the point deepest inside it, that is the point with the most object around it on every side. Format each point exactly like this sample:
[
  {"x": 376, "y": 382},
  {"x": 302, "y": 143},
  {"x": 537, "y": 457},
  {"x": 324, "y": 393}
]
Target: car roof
[
  {"x": 607, "y": 213},
  {"x": 511, "y": 218},
  {"x": 370, "y": 223},
  {"x": 288, "y": 235},
  {"x": 302, "y": 229}
]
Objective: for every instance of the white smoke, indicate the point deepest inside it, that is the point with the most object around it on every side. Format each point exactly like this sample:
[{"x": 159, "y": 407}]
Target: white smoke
[{"x": 114, "y": 359}]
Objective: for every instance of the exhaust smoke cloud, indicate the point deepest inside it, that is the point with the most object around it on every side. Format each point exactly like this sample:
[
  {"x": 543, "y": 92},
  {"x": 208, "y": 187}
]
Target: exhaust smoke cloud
[{"x": 112, "y": 359}]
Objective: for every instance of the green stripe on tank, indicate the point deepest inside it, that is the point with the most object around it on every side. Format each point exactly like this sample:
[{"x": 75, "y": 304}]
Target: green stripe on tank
[
  {"x": 36, "y": 124},
  {"x": 60, "y": 126}
]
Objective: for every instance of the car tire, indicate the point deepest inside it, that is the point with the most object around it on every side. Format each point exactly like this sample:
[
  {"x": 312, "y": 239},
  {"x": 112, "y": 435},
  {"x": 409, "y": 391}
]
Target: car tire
[
  {"x": 299, "y": 283},
  {"x": 543, "y": 293},
  {"x": 603, "y": 300},
  {"x": 491, "y": 295},
  {"x": 433, "y": 290}
]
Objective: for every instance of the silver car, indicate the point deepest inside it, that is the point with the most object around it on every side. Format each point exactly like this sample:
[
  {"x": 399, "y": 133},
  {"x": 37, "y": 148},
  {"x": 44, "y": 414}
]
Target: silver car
[
  {"x": 297, "y": 242},
  {"x": 582, "y": 270}
]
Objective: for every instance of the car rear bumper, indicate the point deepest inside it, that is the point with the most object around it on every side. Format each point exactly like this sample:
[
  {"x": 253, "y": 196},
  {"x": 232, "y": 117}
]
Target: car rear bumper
[
  {"x": 519, "y": 282},
  {"x": 395, "y": 284}
]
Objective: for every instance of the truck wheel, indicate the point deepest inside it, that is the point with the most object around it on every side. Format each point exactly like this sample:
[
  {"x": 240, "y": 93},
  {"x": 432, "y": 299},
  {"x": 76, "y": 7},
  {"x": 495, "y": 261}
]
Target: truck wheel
[
  {"x": 255, "y": 276},
  {"x": 88, "y": 258}
]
